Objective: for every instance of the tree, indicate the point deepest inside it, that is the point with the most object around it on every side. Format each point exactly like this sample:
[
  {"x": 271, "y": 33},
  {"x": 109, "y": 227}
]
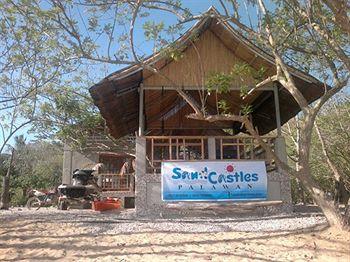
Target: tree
[
  {"x": 313, "y": 24},
  {"x": 31, "y": 62},
  {"x": 333, "y": 134},
  {"x": 38, "y": 165},
  {"x": 329, "y": 149},
  {"x": 313, "y": 32},
  {"x": 5, "y": 196},
  {"x": 47, "y": 63},
  {"x": 69, "y": 115}
]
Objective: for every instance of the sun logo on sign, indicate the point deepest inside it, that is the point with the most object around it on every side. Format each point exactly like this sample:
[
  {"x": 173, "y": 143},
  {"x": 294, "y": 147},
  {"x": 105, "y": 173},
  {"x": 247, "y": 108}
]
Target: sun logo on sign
[{"x": 230, "y": 168}]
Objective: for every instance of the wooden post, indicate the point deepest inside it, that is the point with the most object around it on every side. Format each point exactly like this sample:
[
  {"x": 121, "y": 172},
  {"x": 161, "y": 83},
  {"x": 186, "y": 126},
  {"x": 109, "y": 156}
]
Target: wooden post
[
  {"x": 5, "y": 196},
  {"x": 277, "y": 110},
  {"x": 202, "y": 148},
  {"x": 170, "y": 150},
  {"x": 141, "y": 105},
  {"x": 140, "y": 178},
  {"x": 221, "y": 150},
  {"x": 211, "y": 148}
]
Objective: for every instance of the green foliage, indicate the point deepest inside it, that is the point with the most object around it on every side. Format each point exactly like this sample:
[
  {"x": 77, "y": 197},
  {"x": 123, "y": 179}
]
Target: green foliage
[
  {"x": 32, "y": 60},
  {"x": 194, "y": 36},
  {"x": 244, "y": 91},
  {"x": 246, "y": 109},
  {"x": 159, "y": 34},
  {"x": 36, "y": 165},
  {"x": 152, "y": 30},
  {"x": 45, "y": 46},
  {"x": 334, "y": 125},
  {"x": 223, "y": 106},
  {"x": 301, "y": 45},
  {"x": 240, "y": 75},
  {"x": 173, "y": 52},
  {"x": 220, "y": 82},
  {"x": 69, "y": 116},
  {"x": 4, "y": 158},
  {"x": 243, "y": 71}
]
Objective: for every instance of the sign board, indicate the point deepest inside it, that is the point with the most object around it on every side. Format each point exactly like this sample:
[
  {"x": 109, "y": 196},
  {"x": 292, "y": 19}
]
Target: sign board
[{"x": 213, "y": 180}]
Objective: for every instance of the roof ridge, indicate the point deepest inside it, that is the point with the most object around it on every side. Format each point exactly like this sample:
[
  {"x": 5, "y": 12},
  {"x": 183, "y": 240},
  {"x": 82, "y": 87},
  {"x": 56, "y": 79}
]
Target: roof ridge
[{"x": 185, "y": 37}]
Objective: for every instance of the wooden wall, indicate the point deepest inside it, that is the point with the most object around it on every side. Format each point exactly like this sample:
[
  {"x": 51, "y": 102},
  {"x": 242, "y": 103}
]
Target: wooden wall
[{"x": 193, "y": 68}]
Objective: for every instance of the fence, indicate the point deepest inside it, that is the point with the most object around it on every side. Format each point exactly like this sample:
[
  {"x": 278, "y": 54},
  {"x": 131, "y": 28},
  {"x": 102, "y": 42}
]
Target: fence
[
  {"x": 189, "y": 148},
  {"x": 116, "y": 182}
]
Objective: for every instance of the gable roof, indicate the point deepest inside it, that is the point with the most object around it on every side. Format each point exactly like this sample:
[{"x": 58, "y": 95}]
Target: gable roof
[{"x": 117, "y": 96}]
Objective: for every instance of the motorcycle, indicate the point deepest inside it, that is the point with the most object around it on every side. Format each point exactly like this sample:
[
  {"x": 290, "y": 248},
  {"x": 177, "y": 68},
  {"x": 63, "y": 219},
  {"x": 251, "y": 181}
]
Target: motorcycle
[
  {"x": 41, "y": 198},
  {"x": 82, "y": 191}
]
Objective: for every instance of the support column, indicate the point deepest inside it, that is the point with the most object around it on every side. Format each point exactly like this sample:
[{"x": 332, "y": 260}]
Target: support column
[
  {"x": 67, "y": 165},
  {"x": 285, "y": 186},
  {"x": 211, "y": 148},
  {"x": 140, "y": 173},
  {"x": 141, "y": 116},
  {"x": 280, "y": 148},
  {"x": 277, "y": 109}
]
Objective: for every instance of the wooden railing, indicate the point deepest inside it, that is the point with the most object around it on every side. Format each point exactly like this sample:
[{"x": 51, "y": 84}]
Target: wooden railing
[
  {"x": 160, "y": 148},
  {"x": 116, "y": 182},
  {"x": 242, "y": 147}
]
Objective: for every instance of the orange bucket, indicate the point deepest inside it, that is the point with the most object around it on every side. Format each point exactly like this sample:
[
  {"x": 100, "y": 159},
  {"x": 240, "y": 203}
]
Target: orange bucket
[{"x": 106, "y": 205}]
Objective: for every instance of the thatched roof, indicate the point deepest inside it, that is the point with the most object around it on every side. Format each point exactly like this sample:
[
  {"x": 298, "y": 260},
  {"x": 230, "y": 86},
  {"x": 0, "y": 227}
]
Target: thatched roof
[{"x": 117, "y": 95}]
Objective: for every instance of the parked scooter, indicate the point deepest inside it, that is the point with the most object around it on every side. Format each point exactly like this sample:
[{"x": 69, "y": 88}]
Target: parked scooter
[
  {"x": 83, "y": 190},
  {"x": 41, "y": 198}
]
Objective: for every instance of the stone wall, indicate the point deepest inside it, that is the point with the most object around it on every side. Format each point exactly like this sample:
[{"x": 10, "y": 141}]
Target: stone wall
[{"x": 75, "y": 160}]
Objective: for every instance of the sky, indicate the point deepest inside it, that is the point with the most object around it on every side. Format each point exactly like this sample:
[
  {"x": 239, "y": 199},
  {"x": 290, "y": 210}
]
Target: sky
[{"x": 196, "y": 7}]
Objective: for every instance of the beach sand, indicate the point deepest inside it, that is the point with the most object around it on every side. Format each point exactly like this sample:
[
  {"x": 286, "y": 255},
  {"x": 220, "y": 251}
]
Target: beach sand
[{"x": 83, "y": 235}]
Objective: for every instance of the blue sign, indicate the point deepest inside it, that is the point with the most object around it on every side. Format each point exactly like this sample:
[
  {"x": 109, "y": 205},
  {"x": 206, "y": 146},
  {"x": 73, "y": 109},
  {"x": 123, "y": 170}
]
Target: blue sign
[{"x": 214, "y": 180}]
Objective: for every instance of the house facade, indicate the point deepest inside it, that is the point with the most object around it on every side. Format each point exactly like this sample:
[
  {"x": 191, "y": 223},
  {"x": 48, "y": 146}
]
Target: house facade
[
  {"x": 113, "y": 164},
  {"x": 146, "y": 99}
]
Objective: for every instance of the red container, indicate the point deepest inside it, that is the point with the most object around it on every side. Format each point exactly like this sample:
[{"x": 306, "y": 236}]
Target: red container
[{"x": 106, "y": 205}]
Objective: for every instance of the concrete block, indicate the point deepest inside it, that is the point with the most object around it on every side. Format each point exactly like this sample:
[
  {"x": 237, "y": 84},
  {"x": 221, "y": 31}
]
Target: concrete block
[
  {"x": 154, "y": 194},
  {"x": 273, "y": 190}
]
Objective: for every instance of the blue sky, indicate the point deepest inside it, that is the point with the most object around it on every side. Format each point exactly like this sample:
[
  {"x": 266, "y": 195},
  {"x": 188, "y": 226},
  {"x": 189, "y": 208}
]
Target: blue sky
[{"x": 196, "y": 7}]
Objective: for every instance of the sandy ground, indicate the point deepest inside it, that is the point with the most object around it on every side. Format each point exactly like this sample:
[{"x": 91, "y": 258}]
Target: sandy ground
[{"x": 87, "y": 236}]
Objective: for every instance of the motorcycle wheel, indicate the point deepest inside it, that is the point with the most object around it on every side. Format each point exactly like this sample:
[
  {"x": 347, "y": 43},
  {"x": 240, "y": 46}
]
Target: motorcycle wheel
[{"x": 33, "y": 202}]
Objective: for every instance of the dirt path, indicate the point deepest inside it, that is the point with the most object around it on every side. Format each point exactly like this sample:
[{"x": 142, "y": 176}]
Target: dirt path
[{"x": 50, "y": 237}]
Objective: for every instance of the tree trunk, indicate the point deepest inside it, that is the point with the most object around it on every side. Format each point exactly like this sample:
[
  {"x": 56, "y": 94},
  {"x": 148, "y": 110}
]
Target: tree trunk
[
  {"x": 5, "y": 196},
  {"x": 336, "y": 194},
  {"x": 328, "y": 208},
  {"x": 347, "y": 213},
  {"x": 336, "y": 172},
  {"x": 302, "y": 194}
]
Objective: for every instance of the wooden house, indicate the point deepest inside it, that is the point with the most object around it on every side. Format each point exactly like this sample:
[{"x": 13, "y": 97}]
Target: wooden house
[{"x": 138, "y": 99}]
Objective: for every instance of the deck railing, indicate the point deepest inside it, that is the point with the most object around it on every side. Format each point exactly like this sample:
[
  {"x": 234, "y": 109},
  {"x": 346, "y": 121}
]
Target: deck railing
[
  {"x": 116, "y": 182},
  {"x": 160, "y": 148}
]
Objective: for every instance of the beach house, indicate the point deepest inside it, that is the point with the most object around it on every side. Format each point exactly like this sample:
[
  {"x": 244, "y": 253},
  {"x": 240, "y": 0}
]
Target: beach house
[{"x": 182, "y": 160}]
